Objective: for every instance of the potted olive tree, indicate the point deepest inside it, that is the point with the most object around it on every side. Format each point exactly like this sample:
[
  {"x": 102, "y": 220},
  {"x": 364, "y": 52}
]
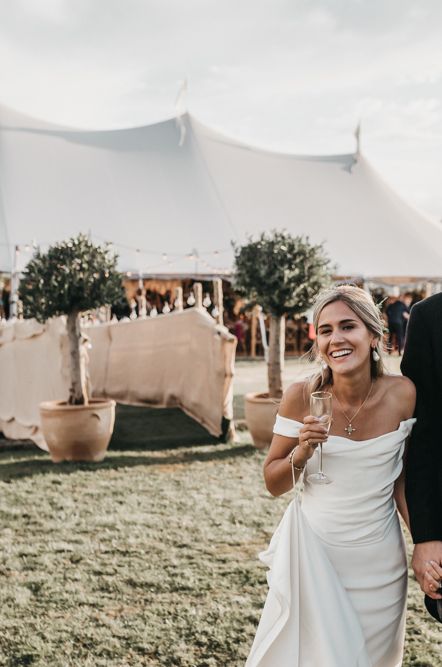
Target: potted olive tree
[
  {"x": 282, "y": 274},
  {"x": 69, "y": 278}
]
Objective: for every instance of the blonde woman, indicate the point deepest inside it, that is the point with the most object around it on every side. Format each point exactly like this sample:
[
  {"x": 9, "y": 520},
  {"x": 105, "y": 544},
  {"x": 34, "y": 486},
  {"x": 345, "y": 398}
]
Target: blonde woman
[{"x": 338, "y": 571}]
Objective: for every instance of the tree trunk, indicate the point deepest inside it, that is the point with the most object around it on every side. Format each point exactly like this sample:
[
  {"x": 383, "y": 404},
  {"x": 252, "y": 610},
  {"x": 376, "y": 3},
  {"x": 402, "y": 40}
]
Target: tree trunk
[
  {"x": 276, "y": 355},
  {"x": 77, "y": 393},
  {"x": 254, "y": 328}
]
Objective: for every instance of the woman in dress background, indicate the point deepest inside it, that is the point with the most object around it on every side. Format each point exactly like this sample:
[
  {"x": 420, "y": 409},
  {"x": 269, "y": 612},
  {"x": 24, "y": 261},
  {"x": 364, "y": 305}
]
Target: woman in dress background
[{"x": 338, "y": 571}]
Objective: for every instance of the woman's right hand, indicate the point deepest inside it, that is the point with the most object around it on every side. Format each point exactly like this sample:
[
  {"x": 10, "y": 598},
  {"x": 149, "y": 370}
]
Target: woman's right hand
[{"x": 311, "y": 435}]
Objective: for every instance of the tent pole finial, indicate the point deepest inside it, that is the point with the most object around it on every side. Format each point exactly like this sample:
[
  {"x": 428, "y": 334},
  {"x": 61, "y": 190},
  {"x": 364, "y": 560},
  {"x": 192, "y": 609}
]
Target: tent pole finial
[
  {"x": 180, "y": 110},
  {"x": 357, "y": 134}
]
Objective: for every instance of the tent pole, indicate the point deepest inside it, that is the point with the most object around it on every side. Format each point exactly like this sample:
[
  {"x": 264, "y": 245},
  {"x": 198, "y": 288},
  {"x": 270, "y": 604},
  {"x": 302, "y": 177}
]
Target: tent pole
[
  {"x": 13, "y": 309},
  {"x": 218, "y": 299},
  {"x": 198, "y": 291}
]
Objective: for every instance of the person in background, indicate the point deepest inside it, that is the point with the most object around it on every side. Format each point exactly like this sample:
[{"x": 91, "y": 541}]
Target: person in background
[
  {"x": 407, "y": 300},
  {"x": 395, "y": 319},
  {"x": 2, "y": 310},
  {"x": 6, "y": 294},
  {"x": 239, "y": 329}
]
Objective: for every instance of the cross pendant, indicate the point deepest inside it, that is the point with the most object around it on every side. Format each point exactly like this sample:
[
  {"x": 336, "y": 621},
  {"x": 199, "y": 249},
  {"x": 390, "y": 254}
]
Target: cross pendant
[{"x": 349, "y": 429}]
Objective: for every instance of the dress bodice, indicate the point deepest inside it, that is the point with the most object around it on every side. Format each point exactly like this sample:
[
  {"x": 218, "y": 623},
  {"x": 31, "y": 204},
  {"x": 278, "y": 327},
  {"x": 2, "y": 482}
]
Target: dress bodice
[{"x": 358, "y": 506}]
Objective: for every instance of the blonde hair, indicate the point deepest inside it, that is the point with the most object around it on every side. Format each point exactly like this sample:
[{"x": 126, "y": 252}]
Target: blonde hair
[{"x": 362, "y": 304}]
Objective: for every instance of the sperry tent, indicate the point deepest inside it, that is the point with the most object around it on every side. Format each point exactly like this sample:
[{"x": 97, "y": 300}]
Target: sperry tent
[{"x": 172, "y": 196}]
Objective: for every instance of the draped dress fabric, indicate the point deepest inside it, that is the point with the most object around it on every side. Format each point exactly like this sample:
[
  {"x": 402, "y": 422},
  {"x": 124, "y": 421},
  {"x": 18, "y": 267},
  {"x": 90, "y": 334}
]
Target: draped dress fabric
[{"x": 337, "y": 562}]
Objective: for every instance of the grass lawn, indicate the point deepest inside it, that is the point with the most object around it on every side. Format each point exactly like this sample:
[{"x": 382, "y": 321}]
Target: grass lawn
[{"x": 149, "y": 558}]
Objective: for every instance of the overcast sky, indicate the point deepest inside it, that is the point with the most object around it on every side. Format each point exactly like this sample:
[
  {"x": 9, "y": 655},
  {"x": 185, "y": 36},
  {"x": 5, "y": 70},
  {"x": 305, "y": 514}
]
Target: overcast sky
[{"x": 289, "y": 75}]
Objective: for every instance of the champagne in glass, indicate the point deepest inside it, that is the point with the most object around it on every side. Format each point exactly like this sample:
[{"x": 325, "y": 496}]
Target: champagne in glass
[{"x": 321, "y": 406}]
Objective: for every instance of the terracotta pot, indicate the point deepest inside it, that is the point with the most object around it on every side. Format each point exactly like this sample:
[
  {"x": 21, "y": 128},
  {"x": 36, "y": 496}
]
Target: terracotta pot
[
  {"x": 77, "y": 432},
  {"x": 260, "y": 411}
]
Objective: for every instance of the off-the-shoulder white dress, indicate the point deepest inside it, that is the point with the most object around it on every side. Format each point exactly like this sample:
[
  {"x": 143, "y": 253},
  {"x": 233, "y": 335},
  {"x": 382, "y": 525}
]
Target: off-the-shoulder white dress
[{"x": 338, "y": 571}]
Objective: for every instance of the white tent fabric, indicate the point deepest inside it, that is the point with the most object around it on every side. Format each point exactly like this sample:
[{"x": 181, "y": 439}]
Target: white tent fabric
[{"x": 180, "y": 193}]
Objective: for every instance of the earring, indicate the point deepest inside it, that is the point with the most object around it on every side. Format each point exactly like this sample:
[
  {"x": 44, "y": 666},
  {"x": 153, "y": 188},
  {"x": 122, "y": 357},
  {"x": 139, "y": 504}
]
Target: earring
[
  {"x": 324, "y": 365},
  {"x": 375, "y": 355}
]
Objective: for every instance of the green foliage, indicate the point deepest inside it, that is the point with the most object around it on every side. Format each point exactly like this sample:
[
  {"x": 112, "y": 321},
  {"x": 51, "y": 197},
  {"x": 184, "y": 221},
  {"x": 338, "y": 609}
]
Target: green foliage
[
  {"x": 121, "y": 306},
  {"x": 72, "y": 276},
  {"x": 281, "y": 272}
]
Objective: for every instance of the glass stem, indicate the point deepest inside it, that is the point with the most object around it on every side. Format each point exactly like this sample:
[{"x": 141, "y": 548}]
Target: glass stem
[{"x": 320, "y": 458}]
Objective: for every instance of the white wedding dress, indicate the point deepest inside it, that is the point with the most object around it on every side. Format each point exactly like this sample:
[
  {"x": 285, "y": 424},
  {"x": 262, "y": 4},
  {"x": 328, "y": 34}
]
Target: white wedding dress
[{"x": 338, "y": 570}]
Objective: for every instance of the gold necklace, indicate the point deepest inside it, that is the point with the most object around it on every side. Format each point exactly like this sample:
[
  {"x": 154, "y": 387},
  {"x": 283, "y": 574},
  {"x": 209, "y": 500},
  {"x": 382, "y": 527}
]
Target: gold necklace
[{"x": 350, "y": 428}]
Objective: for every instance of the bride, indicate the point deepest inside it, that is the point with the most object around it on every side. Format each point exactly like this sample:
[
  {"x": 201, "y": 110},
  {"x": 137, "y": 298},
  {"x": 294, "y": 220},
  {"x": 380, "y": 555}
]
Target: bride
[{"x": 338, "y": 570}]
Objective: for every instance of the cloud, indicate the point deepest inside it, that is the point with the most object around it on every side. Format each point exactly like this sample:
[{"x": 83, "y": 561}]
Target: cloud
[{"x": 293, "y": 75}]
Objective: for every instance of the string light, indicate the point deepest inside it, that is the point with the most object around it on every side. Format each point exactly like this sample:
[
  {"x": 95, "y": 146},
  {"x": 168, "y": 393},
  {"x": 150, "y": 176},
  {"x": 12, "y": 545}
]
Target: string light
[
  {"x": 27, "y": 247},
  {"x": 144, "y": 251},
  {"x": 167, "y": 258}
]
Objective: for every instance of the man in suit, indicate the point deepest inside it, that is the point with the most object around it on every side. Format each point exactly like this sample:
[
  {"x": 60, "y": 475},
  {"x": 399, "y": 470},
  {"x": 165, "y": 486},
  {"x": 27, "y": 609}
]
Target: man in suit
[{"x": 422, "y": 363}]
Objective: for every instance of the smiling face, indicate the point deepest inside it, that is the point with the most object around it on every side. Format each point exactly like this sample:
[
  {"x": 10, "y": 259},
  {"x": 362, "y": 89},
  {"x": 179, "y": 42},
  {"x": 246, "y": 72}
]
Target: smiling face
[{"x": 343, "y": 340}]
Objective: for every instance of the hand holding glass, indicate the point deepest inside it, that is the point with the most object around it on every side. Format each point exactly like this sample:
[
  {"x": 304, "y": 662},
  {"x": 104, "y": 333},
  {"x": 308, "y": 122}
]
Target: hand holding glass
[{"x": 321, "y": 406}]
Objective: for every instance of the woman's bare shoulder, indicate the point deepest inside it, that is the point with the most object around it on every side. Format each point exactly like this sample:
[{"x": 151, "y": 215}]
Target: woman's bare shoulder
[
  {"x": 295, "y": 402},
  {"x": 402, "y": 390},
  {"x": 400, "y": 384}
]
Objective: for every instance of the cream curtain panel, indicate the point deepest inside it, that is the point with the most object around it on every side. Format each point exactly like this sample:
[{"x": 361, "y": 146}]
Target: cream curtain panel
[{"x": 182, "y": 359}]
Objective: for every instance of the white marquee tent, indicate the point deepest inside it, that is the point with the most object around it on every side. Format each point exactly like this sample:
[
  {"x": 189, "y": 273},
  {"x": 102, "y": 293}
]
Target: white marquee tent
[{"x": 172, "y": 196}]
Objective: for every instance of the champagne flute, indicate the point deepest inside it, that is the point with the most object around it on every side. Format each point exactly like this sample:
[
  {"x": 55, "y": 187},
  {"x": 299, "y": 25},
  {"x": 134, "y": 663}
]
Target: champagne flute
[{"x": 321, "y": 406}]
